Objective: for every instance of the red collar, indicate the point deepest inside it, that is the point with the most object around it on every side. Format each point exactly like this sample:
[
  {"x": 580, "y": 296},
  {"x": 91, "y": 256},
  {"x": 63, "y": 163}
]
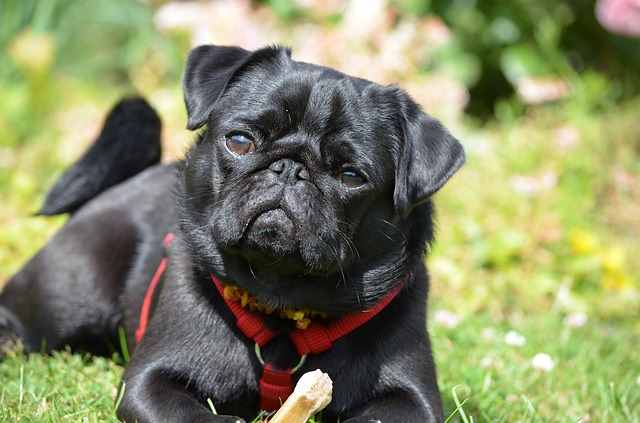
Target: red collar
[{"x": 276, "y": 385}]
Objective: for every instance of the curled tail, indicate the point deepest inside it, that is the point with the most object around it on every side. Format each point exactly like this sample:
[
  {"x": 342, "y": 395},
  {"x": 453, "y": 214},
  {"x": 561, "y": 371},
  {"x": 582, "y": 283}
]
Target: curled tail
[{"x": 128, "y": 143}]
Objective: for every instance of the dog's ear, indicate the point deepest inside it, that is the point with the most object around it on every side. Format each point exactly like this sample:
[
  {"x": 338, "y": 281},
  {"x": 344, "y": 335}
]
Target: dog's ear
[
  {"x": 429, "y": 156},
  {"x": 210, "y": 69}
]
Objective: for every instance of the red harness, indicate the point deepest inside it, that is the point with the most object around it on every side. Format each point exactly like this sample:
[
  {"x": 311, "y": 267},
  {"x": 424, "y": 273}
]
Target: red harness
[
  {"x": 145, "y": 310},
  {"x": 275, "y": 384}
]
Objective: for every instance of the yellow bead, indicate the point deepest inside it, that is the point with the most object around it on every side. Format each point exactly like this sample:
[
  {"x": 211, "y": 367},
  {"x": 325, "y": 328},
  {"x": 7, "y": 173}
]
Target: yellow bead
[
  {"x": 303, "y": 324},
  {"x": 230, "y": 293},
  {"x": 298, "y": 315}
]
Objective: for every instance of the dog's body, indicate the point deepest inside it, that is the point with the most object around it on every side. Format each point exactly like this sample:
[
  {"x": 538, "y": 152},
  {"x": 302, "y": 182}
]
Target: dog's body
[{"x": 308, "y": 188}]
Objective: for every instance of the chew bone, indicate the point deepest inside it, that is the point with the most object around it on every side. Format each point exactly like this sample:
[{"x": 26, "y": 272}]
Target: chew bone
[{"x": 311, "y": 394}]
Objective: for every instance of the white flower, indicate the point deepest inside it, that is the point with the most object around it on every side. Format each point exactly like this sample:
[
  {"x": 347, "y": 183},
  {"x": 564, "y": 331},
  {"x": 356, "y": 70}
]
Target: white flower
[
  {"x": 446, "y": 318},
  {"x": 585, "y": 419},
  {"x": 576, "y": 320},
  {"x": 486, "y": 362},
  {"x": 564, "y": 298},
  {"x": 541, "y": 90},
  {"x": 364, "y": 19},
  {"x": 488, "y": 334},
  {"x": 543, "y": 362},
  {"x": 566, "y": 137},
  {"x": 533, "y": 185},
  {"x": 514, "y": 339}
]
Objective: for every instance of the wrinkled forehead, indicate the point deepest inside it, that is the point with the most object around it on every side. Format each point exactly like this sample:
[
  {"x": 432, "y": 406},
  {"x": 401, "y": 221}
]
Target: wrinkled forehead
[{"x": 311, "y": 98}]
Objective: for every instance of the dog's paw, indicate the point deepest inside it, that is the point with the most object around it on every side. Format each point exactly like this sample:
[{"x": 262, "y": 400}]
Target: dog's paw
[
  {"x": 228, "y": 419},
  {"x": 10, "y": 340}
]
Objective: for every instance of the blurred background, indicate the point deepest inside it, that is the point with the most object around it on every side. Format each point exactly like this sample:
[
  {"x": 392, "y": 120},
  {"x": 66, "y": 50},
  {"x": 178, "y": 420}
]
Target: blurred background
[{"x": 535, "y": 300}]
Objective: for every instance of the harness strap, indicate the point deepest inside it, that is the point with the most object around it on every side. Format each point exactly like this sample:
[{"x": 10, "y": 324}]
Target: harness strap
[
  {"x": 318, "y": 338},
  {"x": 276, "y": 385},
  {"x": 145, "y": 311},
  {"x": 249, "y": 323},
  {"x": 315, "y": 339}
]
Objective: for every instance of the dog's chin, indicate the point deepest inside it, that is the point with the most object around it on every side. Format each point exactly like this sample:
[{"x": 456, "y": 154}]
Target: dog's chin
[
  {"x": 270, "y": 243},
  {"x": 271, "y": 233}
]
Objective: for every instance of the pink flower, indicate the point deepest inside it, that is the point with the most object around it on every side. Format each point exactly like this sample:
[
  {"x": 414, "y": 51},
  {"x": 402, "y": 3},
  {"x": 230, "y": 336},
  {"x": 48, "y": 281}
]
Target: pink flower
[
  {"x": 576, "y": 320},
  {"x": 533, "y": 185},
  {"x": 540, "y": 90},
  {"x": 566, "y": 137},
  {"x": 446, "y": 318},
  {"x": 620, "y": 16}
]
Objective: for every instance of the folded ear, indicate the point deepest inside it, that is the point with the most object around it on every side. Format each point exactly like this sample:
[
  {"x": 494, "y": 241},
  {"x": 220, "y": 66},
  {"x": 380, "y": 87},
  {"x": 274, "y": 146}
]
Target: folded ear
[
  {"x": 429, "y": 157},
  {"x": 209, "y": 70}
]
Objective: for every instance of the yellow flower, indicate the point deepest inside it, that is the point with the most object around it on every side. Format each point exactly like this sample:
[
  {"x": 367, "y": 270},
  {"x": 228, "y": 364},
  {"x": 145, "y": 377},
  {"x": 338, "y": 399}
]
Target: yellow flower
[
  {"x": 32, "y": 51},
  {"x": 613, "y": 259},
  {"x": 583, "y": 242},
  {"x": 616, "y": 281}
]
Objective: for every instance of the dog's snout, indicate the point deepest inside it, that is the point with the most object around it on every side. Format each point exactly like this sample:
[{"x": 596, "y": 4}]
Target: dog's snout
[{"x": 289, "y": 171}]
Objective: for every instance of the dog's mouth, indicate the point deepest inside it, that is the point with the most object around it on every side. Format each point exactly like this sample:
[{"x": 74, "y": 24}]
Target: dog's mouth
[
  {"x": 273, "y": 232},
  {"x": 276, "y": 238},
  {"x": 274, "y": 243}
]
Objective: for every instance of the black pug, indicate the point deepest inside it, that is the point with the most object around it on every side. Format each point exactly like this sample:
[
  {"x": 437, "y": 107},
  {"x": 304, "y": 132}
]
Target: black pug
[{"x": 308, "y": 189}]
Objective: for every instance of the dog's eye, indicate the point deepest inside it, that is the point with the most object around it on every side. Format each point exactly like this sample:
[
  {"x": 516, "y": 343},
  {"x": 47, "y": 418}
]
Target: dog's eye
[
  {"x": 351, "y": 178},
  {"x": 240, "y": 143}
]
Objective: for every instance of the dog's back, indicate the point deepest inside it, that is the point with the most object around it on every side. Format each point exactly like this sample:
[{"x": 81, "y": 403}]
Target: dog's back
[{"x": 70, "y": 292}]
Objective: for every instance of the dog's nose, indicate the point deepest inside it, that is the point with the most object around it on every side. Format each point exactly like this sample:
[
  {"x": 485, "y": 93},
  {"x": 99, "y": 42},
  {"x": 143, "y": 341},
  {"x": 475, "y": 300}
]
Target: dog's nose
[{"x": 289, "y": 170}]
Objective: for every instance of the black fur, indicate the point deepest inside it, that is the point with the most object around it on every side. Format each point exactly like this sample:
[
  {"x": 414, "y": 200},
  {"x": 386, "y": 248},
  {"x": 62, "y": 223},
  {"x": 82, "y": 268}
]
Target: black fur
[
  {"x": 128, "y": 144},
  {"x": 277, "y": 221}
]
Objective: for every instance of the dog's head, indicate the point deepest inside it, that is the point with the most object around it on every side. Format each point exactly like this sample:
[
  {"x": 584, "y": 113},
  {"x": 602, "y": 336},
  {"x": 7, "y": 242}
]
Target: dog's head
[{"x": 308, "y": 187}]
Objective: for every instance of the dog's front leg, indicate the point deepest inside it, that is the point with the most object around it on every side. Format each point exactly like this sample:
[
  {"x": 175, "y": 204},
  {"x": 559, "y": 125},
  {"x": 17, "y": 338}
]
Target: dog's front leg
[
  {"x": 152, "y": 396},
  {"x": 401, "y": 407}
]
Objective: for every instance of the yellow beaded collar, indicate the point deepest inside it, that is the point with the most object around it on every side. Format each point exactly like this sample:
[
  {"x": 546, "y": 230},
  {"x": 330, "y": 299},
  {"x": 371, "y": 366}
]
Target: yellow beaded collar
[{"x": 301, "y": 317}]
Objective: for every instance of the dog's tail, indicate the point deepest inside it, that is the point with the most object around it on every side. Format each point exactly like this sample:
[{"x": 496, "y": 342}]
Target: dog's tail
[{"x": 128, "y": 143}]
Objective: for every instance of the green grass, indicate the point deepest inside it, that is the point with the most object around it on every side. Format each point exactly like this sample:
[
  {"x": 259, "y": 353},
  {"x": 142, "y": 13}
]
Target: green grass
[
  {"x": 64, "y": 387},
  {"x": 596, "y": 376}
]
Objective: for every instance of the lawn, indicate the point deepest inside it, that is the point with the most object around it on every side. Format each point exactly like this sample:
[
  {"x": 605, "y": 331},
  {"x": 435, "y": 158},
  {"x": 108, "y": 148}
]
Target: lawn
[{"x": 535, "y": 297}]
